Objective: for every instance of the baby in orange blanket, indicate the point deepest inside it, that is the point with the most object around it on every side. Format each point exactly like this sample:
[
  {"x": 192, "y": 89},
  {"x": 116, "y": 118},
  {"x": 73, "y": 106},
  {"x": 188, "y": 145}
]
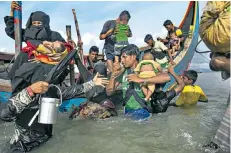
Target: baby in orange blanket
[{"x": 50, "y": 52}]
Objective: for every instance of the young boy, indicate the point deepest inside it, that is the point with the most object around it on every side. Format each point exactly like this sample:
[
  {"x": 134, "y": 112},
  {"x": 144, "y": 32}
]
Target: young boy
[
  {"x": 191, "y": 93},
  {"x": 121, "y": 37},
  {"x": 147, "y": 68}
]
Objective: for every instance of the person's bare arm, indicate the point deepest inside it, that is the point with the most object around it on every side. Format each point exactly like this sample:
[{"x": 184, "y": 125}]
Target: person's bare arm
[
  {"x": 159, "y": 68},
  {"x": 113, "y": 83},
  {"x": 14, "y": 5},
  {"x": 103, "y": 36},
  {"x": 170, "y": 56},
  {"x": 164, "y": 40},
  {"x": 182, "y": 39},
  {"x": 129, "y": 33},
  {"x": 161, "y": 78},
  {"x": 179, "y": 81},
  {"x": 178, "y": 44},
  {"x": 164, "y": 48}
]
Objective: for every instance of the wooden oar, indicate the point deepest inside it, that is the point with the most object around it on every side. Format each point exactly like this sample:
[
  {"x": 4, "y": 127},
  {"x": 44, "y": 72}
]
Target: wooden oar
[
  {"x": 79, "y": 36},
  {"x": 17, "y": 29},
  {"x": 72, "y": 70}
]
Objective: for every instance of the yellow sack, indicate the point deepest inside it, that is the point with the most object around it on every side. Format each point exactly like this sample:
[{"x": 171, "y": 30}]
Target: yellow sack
[{"x": 215, "y": 26}]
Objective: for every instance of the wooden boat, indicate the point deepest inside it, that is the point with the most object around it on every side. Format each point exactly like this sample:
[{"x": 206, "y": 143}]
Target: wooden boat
[{"x": 189, "y": 24}]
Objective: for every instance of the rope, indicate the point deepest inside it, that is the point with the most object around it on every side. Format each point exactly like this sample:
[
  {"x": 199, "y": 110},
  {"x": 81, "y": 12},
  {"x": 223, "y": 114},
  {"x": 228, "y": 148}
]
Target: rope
[
  {"x": 199, "y": 51},
  {"x": 7, "y": 67}
]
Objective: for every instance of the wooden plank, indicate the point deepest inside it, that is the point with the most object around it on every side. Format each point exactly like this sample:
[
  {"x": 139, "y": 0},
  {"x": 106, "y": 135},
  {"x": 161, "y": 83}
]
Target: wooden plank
[{"x": 6, "y": 56}]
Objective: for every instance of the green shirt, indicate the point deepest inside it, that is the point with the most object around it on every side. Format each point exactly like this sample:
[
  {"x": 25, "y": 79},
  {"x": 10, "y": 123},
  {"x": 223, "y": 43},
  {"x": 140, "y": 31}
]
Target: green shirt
[
  {"x": 132, "y": 103},
  {"x": 121, "y": 35}
]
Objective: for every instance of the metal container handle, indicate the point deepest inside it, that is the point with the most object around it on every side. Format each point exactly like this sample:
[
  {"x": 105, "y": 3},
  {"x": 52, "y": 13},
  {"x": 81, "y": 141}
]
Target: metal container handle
[
  {"x": 61, "y": 97},
  {"x": 37, "y": 113}
]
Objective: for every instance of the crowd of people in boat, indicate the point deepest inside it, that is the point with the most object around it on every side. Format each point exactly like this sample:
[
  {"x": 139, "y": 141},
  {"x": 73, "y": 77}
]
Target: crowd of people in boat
[{"x": 140, "y": 78}]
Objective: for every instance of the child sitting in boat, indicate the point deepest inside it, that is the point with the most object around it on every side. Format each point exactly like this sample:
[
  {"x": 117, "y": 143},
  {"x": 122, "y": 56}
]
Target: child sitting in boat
[
  {"x": 174, "y": 43},
  {"x": 148, "y": 68},
  {"x": 50, "y": 52},
  {"x": 122, "y": 31},
  {"x": 191, "y": 93}
]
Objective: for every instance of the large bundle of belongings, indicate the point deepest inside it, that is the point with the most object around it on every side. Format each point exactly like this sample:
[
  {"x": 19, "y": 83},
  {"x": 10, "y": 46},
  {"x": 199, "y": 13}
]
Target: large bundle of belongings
[{"x": 215, "y": 26}]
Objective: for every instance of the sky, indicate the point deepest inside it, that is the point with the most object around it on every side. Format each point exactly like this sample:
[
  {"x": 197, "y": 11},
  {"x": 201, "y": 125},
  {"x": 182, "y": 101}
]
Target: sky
[{"x": 146, "y": 18}]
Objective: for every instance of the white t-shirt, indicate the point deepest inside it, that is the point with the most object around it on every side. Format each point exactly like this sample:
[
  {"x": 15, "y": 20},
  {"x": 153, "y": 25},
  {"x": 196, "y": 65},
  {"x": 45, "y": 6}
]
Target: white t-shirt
[{"x": 160, "y": 47}]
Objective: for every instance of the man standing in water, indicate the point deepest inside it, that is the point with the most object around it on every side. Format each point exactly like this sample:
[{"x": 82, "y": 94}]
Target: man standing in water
[
  {"x": 107, "y": 34},
  {"x": 135, "y": 105}
]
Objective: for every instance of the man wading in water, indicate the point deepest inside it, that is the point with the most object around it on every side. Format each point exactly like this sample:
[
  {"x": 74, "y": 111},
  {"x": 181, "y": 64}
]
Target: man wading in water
[{"x": 135, "y": 105}]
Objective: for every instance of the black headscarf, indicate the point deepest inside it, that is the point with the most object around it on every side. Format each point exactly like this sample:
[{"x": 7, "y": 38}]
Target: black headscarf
[
  {"x": 42, "y": 32},
  {"x": 98, "y": 93},
  {"x": 100, "y": 68}
]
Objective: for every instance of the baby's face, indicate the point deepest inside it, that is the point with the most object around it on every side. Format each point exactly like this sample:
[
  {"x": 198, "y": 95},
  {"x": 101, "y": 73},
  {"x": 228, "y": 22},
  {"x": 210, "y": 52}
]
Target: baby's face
[
  {"x": 173, "y": 36},
  {"x": 56, "y": 45},
  {"x": 53, "y": 45}
]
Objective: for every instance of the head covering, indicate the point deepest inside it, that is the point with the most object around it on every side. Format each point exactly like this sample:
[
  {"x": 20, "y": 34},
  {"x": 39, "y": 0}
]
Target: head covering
[
  {"x": 191, "y": 74},
  {"x": 38, "y": 16},
  {"x": 42, "y": 32},
  {"x": 100, "y": 68},
  {"x": 97, "y": 92}
]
